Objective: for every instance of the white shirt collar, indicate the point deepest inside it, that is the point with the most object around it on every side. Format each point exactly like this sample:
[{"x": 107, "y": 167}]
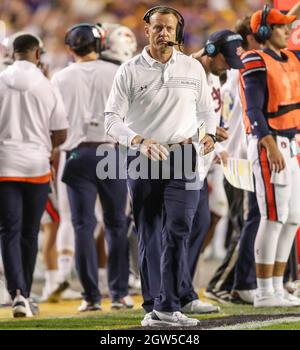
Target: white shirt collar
[{"x": 151, "y": 61}]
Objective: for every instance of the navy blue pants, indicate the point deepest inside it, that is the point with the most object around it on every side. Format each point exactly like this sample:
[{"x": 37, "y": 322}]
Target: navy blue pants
[
  {"x": 222, "y": 279},
  {"x": 245, "y": 275},
  {"x": 200, "y": 228},
  {"x": 83, "y": 188},
  {"x": 163, "y": 211},
  {"x": 21, "y": 208}
]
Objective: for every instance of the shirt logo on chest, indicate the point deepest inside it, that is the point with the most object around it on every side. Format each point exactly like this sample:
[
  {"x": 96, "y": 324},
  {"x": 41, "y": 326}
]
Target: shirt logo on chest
[
  {"x": 283, "y": 144},
  {"x": 216, "y": 95}
]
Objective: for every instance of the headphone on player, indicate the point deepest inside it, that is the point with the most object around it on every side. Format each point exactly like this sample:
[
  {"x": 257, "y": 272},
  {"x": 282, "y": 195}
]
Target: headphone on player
[
  {"x": 98, "y": 37},
  {"x": 180, "y": 25},
  {"x": 212, "y": 48},
  {"x": 264, "y": 31}
]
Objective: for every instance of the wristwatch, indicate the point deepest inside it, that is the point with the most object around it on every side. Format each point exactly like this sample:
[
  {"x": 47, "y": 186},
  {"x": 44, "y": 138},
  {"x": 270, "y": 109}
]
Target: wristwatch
[{"x": 213, "y": 137}]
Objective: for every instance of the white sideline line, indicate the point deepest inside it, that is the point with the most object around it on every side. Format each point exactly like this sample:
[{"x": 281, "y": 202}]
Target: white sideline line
[{"x": 256, "y": 324}]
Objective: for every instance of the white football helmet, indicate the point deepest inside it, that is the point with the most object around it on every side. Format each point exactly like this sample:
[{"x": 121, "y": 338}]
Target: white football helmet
[{"x": 120, "y": 42}]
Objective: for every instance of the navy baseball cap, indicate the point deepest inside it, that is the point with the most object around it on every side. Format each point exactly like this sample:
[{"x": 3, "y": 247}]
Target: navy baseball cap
[
  {"x": 229, "y": 44},
  {"x": 80, "y": 36}
]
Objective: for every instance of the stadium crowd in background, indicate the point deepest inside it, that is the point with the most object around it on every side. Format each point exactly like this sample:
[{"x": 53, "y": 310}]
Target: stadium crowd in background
[{"x": 50, "y": 19}]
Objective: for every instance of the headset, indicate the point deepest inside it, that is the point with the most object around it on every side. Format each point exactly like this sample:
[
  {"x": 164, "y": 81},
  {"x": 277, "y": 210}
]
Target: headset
[
  {"x": 212, "y": 48},
  {"x": 180, "y": 25},
  {"x": 98, "y": 36},
  {"x": 264, "y": 31}
]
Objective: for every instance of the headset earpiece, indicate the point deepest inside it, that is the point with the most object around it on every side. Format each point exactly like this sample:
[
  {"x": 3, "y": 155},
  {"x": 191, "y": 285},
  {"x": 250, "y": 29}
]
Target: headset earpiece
[
  {"x": 264, "y": 31},
  {"x": 212, "y": 48},
  {"x": 98, "y": 34},
  {"x": 180, "y": 25}
]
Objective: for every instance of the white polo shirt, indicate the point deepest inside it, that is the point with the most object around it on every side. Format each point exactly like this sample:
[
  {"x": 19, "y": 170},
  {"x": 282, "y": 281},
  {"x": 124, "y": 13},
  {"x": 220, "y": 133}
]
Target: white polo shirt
[
  {"x": 30, "y": 107},
  {"x": 165, "y": 102},
  {"x": 85, "y": 88}
]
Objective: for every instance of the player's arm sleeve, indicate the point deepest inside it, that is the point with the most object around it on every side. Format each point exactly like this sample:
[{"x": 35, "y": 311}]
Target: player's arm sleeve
[
  {"x": 254, "y": 75},
  {"x": 58, "y": 120},
  {"x": 205, "y": 106},
  {"x": 117, "y": 107}
]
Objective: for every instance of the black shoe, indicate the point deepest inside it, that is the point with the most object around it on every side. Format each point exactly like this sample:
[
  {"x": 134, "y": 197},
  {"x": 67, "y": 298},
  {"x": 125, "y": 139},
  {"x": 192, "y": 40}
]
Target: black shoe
[{"x": 222, "y": 296}]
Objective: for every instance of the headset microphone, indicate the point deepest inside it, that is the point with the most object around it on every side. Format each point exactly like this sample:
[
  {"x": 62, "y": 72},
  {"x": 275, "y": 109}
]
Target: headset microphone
[{"x": 171, "y": 43}]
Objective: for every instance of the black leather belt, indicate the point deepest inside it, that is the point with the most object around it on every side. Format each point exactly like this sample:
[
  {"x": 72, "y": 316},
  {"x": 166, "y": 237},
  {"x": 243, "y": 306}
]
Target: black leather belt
[
  {"x": 93, "y": 144},
  {"x": 184, "y": 142}
]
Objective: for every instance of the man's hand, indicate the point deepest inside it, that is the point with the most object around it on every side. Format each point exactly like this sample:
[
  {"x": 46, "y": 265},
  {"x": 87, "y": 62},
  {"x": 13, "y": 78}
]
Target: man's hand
[
  {"x": 221, "y": 134},
  {"x": 223, "y": 157},
  {"x": 275, "y": 157},
  {"x": 151, "y": 148},
  {"x": 208, "y": 143},
  {"x": 54, "y": 160}
]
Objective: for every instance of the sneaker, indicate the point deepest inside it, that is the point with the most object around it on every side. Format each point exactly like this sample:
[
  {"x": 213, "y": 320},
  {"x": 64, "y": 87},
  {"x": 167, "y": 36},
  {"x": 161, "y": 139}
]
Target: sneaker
[
  {"x": 292, "y": 286},
  {"x": 146, "y": 319},
  {"x": 89, "y": 306},
  {"x": 289, "y": 297},
  {"x": 70, "y": 294},
  {"x": 222, "y": 296},
  {"x": 199, "y": 307},
  {"x": 134, "y": 282},
  {"x": 271, "y": 300},
  {"x": 20, "y": 306},
  {"x": 171, "y": 319},
  {"x": 55, "y": 296},
  {"x": 34, "y": 307},
  {"x": 297, "y": 293},
  {"x": 243, "y": 296},
  {"x": 122, "y": 303}
]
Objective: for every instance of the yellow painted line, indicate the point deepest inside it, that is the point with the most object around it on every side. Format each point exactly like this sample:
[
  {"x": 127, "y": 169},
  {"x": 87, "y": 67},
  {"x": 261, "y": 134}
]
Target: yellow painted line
[{"x": 68, "y": 309}]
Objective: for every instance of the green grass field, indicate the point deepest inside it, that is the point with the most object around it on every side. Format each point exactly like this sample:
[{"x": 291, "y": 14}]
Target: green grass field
[{"x": 292, "y": 326}]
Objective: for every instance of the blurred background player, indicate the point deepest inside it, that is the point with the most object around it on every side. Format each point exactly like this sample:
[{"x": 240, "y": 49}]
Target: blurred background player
[
  {"x": 237, "y": 269},
  {"x": 121, "y": 45},
  {"x": 54, "y": 223},
  {"x": 54, "y": 290},
  {"x": 25, "y": 175},
  {"x": 85, "y": 99},
  {"x": 221, "y": 53}
]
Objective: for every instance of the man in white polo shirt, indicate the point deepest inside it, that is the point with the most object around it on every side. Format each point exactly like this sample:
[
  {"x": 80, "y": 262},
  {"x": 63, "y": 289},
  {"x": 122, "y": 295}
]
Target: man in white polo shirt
[
  {"x": 158, "y": 99},
  {"x": 32, "y": 122}
]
